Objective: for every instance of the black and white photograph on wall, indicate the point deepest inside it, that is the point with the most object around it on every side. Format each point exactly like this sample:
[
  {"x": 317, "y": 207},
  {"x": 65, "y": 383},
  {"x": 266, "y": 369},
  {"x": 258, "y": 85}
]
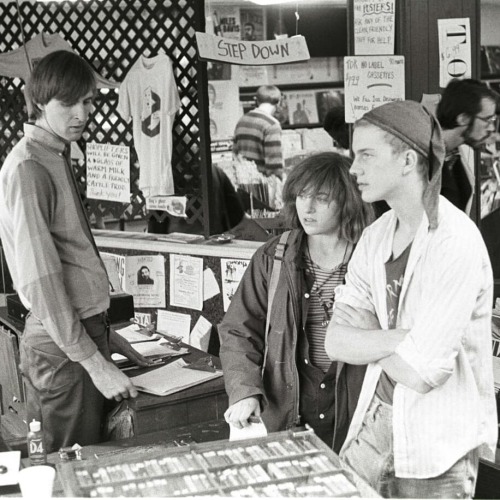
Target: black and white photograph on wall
[
  {"x": 328, "y": 99},
  {"x": 302, "y": 108},
  {"x": 252, "y": 24}
]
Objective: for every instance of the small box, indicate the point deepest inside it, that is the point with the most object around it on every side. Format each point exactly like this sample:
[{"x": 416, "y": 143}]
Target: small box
[
  {"x": 121, "y": 308},
  {"x": 15, "y": 308}
]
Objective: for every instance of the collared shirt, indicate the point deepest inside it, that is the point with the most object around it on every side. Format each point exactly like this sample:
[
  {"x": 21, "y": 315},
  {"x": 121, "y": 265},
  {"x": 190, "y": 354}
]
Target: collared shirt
[
  {"x": 48, "y": 243},
  {"x": 445, "y": 303}
]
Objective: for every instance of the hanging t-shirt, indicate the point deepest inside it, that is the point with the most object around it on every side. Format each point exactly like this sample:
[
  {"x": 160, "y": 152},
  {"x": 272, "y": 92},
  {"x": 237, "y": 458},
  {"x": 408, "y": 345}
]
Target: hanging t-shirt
[
  {"x": 149, "y": 96},
  {"x": 15, "y": 65}
]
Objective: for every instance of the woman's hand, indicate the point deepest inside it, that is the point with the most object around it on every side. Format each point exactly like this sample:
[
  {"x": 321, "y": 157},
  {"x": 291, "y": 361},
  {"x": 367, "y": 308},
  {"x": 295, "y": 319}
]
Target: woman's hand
[{"x": 117, "y": 344}]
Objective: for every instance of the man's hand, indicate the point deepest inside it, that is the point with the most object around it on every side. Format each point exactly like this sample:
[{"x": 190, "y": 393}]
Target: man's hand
[
  {"x": 239, "y": 413},
  {"x": 119, "y": 345},
  {"x": 345, "y": 314},
  {"x": 108, "y": 379}
]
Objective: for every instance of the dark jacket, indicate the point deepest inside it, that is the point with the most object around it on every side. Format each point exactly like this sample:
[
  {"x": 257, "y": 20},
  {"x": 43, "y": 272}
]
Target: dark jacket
[{"x": 242, "y": 343}]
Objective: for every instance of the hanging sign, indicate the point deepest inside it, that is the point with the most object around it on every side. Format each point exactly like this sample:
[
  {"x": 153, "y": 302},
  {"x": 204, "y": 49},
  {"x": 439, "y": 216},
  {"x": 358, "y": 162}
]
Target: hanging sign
[
  {"x": 455, "y": 60},
  {"x": 370, "y": 81},
  {"x": 374, "y": 22},
  {"x": 282, "y": 51}
]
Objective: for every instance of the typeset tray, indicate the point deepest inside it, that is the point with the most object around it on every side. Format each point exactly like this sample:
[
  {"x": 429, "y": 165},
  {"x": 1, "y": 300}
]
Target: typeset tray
[{"x": 281, "y": 464}]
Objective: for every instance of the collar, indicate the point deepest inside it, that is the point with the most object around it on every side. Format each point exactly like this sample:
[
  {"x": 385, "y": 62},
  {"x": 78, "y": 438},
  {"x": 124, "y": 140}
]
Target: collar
[{"x": 45, "y": 138}]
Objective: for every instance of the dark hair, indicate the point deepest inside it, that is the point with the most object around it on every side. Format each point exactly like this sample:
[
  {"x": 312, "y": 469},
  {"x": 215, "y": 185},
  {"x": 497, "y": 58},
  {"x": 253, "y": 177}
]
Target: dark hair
[
  {"x": 60, "y": 75},
  {"x": 328, "y": 172},
  {"x": 462, "y": 96},
  {"x": 144, "y": 267},
  {"x": 250, "y": 24},
  {"x": 337, "y": 127},
  {"x": 268, "y": 93}
]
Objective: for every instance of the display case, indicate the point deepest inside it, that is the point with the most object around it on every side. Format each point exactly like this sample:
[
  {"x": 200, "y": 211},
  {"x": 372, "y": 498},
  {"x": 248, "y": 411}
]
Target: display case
[{"x": 280, "y": 464}]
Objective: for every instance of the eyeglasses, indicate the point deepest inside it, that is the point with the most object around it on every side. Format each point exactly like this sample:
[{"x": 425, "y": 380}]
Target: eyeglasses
[{"x": 490, "y": 120}]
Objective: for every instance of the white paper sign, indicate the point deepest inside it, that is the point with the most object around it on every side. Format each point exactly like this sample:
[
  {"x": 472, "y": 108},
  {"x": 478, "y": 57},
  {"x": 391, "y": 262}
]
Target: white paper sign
[
  {"x": 200, "y": 336},
  {"x": 374, "y": 27},
  {"x": 173, "y": 323},
  {"x": 186, "y": 281},
  {"x": 174, "y": 205},
  {"x": 108, "y": 172},
  {"x": 232, "y": 271},
  {"x": 210, "y": 285},
  {"x": 371, "y": 81},
  {"x": 455, "y": 58}
]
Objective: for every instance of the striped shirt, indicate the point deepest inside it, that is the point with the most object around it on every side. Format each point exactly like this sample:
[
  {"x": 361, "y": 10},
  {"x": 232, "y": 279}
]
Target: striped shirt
[
  {"x": 257, "y": 137},
  {"x": 445, "y": 303},
  {"x": 322, "y": 296},
  {"x": 48, "y": 242}
]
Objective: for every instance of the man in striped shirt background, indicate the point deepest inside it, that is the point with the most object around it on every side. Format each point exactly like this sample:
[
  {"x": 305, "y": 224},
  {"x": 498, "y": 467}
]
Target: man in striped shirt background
[{"x": 257, "y": 136}]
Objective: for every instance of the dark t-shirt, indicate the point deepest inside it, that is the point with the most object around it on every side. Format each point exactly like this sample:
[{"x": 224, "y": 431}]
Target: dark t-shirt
[{"x": 395, "y": 272}]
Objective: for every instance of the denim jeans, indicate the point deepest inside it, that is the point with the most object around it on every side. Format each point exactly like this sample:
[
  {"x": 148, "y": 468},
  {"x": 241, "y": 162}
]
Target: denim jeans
[
  {"x": 59, "y": 392},
  {"x": 371, "y": 456}
]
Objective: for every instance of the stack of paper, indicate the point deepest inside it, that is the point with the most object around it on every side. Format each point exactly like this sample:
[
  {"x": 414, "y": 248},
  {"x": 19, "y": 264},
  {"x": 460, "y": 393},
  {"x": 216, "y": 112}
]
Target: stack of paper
[{"x": 171, "y": 378}]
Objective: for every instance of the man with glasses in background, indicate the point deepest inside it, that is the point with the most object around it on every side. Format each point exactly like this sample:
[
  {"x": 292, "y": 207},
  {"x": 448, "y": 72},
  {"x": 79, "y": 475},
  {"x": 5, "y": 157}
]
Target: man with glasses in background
[{"x": 467, "y": 115}]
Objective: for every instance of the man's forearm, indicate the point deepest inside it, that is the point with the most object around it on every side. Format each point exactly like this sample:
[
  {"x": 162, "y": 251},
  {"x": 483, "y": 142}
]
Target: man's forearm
[
  {"x": 403, "y": 373},
  {"x": 357, "y": 346}
]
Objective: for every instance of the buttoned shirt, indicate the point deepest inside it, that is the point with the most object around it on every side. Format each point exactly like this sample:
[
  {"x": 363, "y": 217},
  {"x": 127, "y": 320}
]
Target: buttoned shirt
[
  {"x": 48, "y": 243},
  {"x": 445, "y": 303}
]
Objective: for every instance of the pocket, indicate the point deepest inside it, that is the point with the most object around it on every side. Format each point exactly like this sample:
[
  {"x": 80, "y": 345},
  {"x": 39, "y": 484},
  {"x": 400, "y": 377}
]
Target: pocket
[{"x": 47, "y": 371}]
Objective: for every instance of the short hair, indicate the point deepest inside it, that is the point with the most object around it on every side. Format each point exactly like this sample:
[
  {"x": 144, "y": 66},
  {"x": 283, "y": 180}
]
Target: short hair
[
  {"x": 268, "y": 93},
  {"x": 328, "y": 172},
  {"x": 250, "y": 24},
  {"x": 144, "y": 267},
  {"x": 462, "y": 96},
  {"x": 398, "y": 146},
  {"x": 61, "y": 75},
  {"x": 336, "y": 126}
]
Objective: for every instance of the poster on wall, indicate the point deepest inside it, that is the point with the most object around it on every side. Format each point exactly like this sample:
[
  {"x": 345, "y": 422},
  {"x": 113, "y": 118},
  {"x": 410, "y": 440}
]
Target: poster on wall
[
  {"x": 223, "y": 99},
  {"x": 142, "y": 276},
  {"x": 374, "y": 22},
  {"x": 227, "y": 21},
  {"x": 327, "y": 99},
  {"x": 371, "y": 81},
  {"x": 108, "y": 172},
  {"x": 186, "y": 281},
  {"x": 455, "y": 55},
  {"x": 302, "y": 107},
  {"x": 252, "y": 24},
  {"x": 232, "y": 271}
]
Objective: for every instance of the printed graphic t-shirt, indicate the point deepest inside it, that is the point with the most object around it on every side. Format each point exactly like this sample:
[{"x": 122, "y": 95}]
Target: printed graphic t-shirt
[{"x": 149, "y": 96}]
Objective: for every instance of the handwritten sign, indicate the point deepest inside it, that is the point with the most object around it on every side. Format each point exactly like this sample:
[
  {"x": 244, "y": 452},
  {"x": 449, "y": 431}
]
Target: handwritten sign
[
  {"x": 284, "y": 50},
  {"x": 174, "y": 205},
  {"x": 455, "y": 60},
  {"x": 370, "y": 82},
  {"x": 108, "y": 172},
  {"x": 374, "y": 27}
]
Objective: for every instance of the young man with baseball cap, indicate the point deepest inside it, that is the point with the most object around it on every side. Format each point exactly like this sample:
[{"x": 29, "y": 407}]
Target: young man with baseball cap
[{"x": 416, "y": 306}]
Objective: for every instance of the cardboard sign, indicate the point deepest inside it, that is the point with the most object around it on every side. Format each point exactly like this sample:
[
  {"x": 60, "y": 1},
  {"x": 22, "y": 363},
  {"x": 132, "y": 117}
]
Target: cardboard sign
[
  {"x": 284, "y": 50},
  {"x": 371, "y": 81}
]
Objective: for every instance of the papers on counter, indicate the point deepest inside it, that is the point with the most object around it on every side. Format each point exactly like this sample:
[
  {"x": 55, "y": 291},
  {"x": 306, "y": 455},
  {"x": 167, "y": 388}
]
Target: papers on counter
[
  {"x": 172, "y": 378},
  {"x": 158, "y": 348}
]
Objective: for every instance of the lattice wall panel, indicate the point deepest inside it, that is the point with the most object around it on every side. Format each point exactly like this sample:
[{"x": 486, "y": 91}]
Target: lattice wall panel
[{"x": 111, "y": 36}]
